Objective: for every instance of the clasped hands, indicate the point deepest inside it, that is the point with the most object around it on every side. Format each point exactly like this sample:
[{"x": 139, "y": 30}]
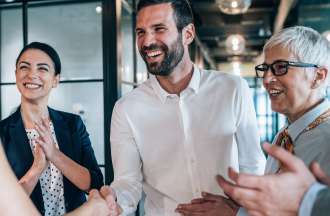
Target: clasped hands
[
  {"x": 208, "y": 205},
  {"x": 45, "y": 146},
  {"x": 104, "y": 201}
]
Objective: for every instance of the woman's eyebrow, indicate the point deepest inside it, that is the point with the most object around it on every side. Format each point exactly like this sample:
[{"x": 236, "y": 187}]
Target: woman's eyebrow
[
  {"x": 43, "y": 64},
  {"x": 24, "y": 62}
]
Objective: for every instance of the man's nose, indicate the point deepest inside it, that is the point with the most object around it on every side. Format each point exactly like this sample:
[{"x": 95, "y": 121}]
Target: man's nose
[{"x": 149, "y": 39}]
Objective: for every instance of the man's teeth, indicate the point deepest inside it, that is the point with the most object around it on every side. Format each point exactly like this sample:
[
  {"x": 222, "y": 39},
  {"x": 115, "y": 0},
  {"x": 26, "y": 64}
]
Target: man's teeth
[
  {"x": 32, "y": 86},
  {"x": 274, "y": 92},
  {"x": 154, "y": 53}
]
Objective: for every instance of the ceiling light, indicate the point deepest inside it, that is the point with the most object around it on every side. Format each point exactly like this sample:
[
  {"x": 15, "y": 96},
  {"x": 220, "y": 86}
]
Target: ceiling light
[
  {"x": 326, "y": 34},
  {"x": 10, "y": 0},
  {"x": 98, "y": 9},
  {"x": 235, "y": 44},
  {"x": 233, "y": 6}
]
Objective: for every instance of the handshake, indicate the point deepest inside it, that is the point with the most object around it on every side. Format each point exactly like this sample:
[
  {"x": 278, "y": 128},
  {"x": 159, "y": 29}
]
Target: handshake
[{"x": 100, "y": 203}]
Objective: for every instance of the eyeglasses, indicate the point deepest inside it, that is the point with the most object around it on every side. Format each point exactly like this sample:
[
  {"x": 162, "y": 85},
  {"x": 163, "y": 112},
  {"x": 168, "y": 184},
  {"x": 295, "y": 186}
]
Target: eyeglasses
[{"x": 279, "y": 67}]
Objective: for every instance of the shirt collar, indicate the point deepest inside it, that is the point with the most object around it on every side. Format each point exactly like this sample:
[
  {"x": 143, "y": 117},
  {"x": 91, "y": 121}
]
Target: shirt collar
[
  {"x": 300, "y": 124},
  {"x": 195, "y": 80},
  {"x": 162, "y": 94}
]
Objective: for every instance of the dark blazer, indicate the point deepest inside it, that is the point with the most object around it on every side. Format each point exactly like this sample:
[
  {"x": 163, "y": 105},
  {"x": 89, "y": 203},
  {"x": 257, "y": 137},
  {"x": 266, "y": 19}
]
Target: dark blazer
[
  {"x": 73, "y": 140},
  {"x": 322, "y": 203}
]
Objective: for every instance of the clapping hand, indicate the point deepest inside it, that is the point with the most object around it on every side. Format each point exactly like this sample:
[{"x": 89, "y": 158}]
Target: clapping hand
[
  {"x": 40, "y": 162},
  {"x": 45, "y": 139}
]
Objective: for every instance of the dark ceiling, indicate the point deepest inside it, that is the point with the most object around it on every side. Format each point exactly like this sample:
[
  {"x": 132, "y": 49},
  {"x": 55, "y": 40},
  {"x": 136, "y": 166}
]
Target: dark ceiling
[{"x": 256, "y": 25}]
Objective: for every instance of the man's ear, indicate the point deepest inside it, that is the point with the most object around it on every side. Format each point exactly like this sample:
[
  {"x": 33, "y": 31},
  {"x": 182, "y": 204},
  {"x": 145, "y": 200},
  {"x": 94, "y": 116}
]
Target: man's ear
[
  {"x": 321, "y": 76},
  {"x": 188, "y": 34}
]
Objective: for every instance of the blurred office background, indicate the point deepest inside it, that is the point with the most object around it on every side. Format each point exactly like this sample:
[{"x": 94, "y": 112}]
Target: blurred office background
[{"x": 96, "y": 43}]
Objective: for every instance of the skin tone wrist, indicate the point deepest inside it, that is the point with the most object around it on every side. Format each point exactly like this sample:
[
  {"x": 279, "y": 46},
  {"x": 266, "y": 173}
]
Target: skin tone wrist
[{"x": 55, "y": 155}]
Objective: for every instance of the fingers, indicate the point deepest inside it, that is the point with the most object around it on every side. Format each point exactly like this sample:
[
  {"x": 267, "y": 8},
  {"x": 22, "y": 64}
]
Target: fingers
[
  {"x": 110, "y": 197},
  {"x": 45, "y": 122},
  {"x": 320, "y": 174},
  {"x": 38, "y": 151},
  {"x": 188, "y": 213},
  {"x": 197, "y": 207},
  {"x": 226, "y": 186},
  {"x": 211, "y": 197},
  {"x": 197, "y": 201},
  {"x": 39, "y": 129},
  {"x": 41, "y": 144},
  {"x": 233, "y": 175},
  {"x": 246, "y": 180},
  {"x": 45, "y": 138},
  {"x": 290, "y": 162},
  {"x": 42, "y": 126},
  {"x": 107, "y": 191},
  {"x": 94, "y": 194},
  {"x": 238, "y": 193}
]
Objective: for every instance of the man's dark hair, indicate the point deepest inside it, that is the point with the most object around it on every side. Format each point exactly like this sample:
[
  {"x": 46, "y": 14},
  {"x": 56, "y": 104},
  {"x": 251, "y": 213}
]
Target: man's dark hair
[
  {"x": 50, "y": 51},
  {"x": 182, "y": 10}
]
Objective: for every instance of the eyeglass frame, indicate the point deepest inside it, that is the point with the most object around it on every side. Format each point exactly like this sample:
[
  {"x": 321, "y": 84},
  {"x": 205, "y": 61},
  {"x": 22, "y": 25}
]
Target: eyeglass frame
[{"x": 288, "y": 63}]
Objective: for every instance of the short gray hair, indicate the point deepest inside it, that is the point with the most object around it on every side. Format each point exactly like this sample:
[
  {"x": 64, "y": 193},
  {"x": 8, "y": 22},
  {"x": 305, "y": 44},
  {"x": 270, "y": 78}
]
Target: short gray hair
[{"x": 306, "y": 44}]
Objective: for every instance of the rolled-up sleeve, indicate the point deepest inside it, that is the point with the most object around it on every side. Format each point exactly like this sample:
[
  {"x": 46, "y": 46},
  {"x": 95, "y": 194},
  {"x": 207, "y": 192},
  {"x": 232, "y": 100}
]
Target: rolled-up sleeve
[
  {"x": 126, "y": 161},
  {"x": 250, "y": 156}
]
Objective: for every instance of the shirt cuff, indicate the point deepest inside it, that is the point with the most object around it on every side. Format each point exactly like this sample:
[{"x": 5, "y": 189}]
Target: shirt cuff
[
  {"x": 308, "y": 200},
  {"x": 126, "y": 204},
  {"x": 242, "y": 212}
]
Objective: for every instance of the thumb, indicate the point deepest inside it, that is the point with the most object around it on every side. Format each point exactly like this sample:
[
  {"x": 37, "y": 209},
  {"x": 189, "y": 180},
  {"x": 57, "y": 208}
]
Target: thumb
[
  {"x": 109, "y": 195},
  {"x": 93, "y": 194},
  {"x": 290, "y": 162},
  {"x": 320, "y": 174}
]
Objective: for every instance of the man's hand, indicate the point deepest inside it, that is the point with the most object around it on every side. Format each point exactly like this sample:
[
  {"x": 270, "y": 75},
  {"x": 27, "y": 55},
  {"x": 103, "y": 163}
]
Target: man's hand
[
  {"x": 278, "y": 194},
  {"x": 95, "y": 206},
  {"x": 98, "y": 203},
  {"x": 208, "y": 205},
  {"x": 110, "y": 197}
]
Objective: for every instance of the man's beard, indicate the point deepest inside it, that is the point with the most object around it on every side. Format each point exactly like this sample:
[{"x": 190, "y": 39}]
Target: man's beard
[{"x": 172, "y": 57}]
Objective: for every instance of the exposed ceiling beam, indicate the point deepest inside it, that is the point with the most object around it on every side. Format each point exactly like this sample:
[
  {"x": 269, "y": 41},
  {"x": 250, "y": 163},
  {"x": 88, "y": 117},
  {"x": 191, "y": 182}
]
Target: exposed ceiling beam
[
  {"x": 214, "y": 31},
  {"x": 250, "y": 42},
  {"x": 212, "y": 7},
  {"x": 205, "y": 53},
  {"x": 221, "y": 53},
  {"x": 282, "y": 13}
]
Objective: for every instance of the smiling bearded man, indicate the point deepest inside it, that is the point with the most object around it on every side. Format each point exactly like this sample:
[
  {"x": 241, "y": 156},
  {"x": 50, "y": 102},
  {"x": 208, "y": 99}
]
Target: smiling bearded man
[{"x": 175, "y": 132}]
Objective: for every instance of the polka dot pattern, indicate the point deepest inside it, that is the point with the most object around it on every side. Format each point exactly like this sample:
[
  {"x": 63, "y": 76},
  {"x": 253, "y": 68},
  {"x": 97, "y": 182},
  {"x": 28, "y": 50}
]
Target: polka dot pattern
[{"x": 51, "y": 180}]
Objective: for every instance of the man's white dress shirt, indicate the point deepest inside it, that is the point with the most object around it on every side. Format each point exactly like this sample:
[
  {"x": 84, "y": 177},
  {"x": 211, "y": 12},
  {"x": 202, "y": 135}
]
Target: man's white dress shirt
[{"x": 173, "y": 146}]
